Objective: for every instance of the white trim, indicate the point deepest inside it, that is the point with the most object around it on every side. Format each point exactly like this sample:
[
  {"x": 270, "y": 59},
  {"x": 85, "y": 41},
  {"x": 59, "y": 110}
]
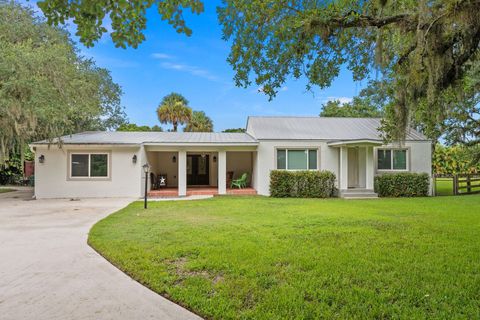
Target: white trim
[
  {"x": 89, "y": 177},
  {"x": 307, "y": 149},
  {"x": 392, "y": 149},
  {"x": 354, "y": 143}
]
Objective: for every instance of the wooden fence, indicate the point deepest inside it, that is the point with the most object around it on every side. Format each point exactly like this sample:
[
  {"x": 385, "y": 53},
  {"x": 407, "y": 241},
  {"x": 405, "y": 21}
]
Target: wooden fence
[{"x": 460, "y": 183}]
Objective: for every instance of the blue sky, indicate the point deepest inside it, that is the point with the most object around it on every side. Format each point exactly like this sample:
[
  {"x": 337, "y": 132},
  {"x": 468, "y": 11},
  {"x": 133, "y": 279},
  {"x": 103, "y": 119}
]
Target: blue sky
[{"x": 196, "y": 67}]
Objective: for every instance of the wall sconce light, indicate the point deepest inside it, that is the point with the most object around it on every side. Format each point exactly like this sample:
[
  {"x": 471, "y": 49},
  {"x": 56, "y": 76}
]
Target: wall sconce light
[
  {"x": 134, "y": 158},
  {"x": 174, "y": 159},
  {"x": 41, "y": 159},
  {"x": 214, "y": 158}
]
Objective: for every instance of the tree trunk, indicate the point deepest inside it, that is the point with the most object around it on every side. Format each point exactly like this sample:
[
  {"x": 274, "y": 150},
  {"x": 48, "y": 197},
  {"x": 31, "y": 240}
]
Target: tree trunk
[
  {"x": 175, "y": 124},
  {"x": 22, "y": 158},
  {"x": 3, "y": 152}
]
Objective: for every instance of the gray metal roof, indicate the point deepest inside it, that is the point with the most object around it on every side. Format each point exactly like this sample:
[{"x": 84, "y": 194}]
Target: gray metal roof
[
  {"x": 319, "y": 128},
  {"x": 110, "y": 137}
]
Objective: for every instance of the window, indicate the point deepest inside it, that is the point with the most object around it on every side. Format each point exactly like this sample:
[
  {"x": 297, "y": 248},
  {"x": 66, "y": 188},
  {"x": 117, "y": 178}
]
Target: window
[
  {"x": 384, "y": 159},
  {"x": 297, "y": 159},
  {"x": 281, "y": 159},
  {"x": 392, "y": 159},
  {"x": 89, "y": 165},
  {"x": 79, "y": 165}
]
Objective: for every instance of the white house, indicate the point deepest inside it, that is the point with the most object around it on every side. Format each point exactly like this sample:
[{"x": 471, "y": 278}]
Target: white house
[{"x": 110, "y": 164}]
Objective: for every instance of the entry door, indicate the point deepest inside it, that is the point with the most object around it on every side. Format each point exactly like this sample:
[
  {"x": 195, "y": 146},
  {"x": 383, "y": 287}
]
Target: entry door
[
  {"x": 198, "y": 170},
  {"x": 353, "y": 167}
]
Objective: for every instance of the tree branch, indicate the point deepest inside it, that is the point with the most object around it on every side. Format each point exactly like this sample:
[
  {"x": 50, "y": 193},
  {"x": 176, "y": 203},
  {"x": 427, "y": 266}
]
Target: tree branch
[{"x": 355, "y": 20}]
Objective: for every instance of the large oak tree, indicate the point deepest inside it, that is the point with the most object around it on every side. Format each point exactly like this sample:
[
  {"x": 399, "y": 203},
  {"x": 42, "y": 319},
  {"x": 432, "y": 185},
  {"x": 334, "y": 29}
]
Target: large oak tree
[
  {"x": 425, "y": 48},
  {"x": 46, "y": 88}
]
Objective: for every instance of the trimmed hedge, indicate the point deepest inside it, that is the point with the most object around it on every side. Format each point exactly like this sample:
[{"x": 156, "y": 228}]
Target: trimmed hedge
[
  {"x": 402, "y": 184},
  {"x": 302, "y": 184}
]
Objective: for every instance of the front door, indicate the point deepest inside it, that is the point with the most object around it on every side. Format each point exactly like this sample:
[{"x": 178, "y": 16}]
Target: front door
[
  {"x": 353, "y": 167},
  {"x": 197, "y": 170}
]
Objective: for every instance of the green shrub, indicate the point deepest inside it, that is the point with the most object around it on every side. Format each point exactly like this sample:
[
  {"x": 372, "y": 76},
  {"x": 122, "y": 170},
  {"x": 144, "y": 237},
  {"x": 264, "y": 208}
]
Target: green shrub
[
  {"x": 455, "y": 159},
  {"x": 402, "y": 184},
  {"x": 302, "y": 184}
]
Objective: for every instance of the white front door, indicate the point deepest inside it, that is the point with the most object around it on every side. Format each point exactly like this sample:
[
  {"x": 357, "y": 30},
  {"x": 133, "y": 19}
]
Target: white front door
[{"x": 353, "y": 168}]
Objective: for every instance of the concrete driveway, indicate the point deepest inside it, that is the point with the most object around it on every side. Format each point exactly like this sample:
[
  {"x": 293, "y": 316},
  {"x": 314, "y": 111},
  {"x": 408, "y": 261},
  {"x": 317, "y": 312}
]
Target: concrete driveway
[{"x": 47, "y": 270}]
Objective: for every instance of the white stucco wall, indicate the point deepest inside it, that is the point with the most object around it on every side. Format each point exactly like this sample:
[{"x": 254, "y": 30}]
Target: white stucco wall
[
  {"x": 329, "y": 159},
  {"x": 127, "y": 179},
  {"x": 52, "y": 181},
  {"x": 266, "y": 159},
  {"x": 419, "y": 156}
]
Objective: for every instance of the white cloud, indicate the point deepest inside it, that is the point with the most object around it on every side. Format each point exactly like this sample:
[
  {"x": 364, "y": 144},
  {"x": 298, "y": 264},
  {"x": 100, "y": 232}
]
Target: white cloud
[
  {"x": 193, "y": 70},
  {"x": 161, "y": 56},
  {"x": 284, "y": 88},
  {"x": 341, "y": 99}
]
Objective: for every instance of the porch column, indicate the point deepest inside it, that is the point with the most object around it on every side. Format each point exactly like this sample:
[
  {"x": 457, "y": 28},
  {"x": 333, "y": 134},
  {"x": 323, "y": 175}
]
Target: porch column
[
  {"x": 182, "y": 173},
  {"x": 222, "y": 172},
  {"x": 343, "y": 180},
  {"x": 369, "y": 169}
]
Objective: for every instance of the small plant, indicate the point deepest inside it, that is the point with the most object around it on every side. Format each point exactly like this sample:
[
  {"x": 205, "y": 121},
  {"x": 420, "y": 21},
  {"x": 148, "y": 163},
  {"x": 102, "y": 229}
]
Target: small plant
[
  {"x": 302, "y": 184},
  {"x": 402, "y": 185}
]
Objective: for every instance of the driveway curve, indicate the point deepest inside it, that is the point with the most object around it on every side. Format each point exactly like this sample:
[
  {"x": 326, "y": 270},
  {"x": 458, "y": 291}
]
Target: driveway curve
[{"x": 47, "y": 270}]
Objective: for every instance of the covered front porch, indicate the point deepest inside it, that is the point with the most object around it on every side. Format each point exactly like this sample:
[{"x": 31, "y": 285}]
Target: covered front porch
[
  {"x": 199, "y": 191},
  {"x": 356, "y": 168},
  {"x": 200, "y": 171}
]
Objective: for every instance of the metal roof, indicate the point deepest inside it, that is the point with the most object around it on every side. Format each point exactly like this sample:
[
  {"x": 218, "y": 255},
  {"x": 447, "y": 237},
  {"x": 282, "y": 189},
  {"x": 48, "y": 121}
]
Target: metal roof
[
  {"x": 319, "y": 128},
  {"x": 258, "y": 128},
  {"x": 129, "y": 138}
]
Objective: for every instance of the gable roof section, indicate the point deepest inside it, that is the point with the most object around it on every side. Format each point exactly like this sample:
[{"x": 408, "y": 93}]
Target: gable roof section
[
  {"x": 319, "y": 128},
  {"x": 137, "y": 138}
]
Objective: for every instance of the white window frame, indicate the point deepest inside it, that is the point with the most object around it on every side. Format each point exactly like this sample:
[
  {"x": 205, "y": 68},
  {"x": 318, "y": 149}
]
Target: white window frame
[
  {"x": 297, "y": 149},
  {"x": 392, "y": 149},
  {"x": 89, "y": 177}
]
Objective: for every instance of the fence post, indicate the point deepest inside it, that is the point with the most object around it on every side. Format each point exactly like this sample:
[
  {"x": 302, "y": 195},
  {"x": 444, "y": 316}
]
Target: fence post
[
  {"x": 455, "y": 184},
  {"x": 469, "y": 189},
  {"x": 434, "y": 185}
]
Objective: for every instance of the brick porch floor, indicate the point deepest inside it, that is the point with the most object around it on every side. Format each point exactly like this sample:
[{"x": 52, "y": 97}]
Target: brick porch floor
[{"x": 194, "y": 191}]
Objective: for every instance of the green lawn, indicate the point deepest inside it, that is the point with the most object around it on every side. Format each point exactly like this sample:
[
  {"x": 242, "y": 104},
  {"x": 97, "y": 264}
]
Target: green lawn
[
  {"x": 3, "y": 190},
  {"x": 264, "y": 258},
  {"x": 444, "y": 186}
]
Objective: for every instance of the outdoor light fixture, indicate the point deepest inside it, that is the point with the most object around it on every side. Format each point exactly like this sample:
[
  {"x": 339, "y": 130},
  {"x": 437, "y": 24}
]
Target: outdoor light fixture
[
  {"x": 214, "y": 158},
  {"x": 146, "y": 168},
  {"x": 41, "y": 159},
  {"x": 134, "y": 158},
  {"x": 174, "y": 159}
]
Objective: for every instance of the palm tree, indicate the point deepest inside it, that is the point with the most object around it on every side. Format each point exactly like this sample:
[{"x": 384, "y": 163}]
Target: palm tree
[
  {"x": 174, "y": 109},
  {"x": 199, "y": 123}
]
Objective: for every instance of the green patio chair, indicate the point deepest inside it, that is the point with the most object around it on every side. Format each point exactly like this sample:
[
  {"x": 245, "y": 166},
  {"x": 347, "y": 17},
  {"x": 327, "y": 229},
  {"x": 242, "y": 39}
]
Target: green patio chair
[{"x": 240, "y": 183}]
